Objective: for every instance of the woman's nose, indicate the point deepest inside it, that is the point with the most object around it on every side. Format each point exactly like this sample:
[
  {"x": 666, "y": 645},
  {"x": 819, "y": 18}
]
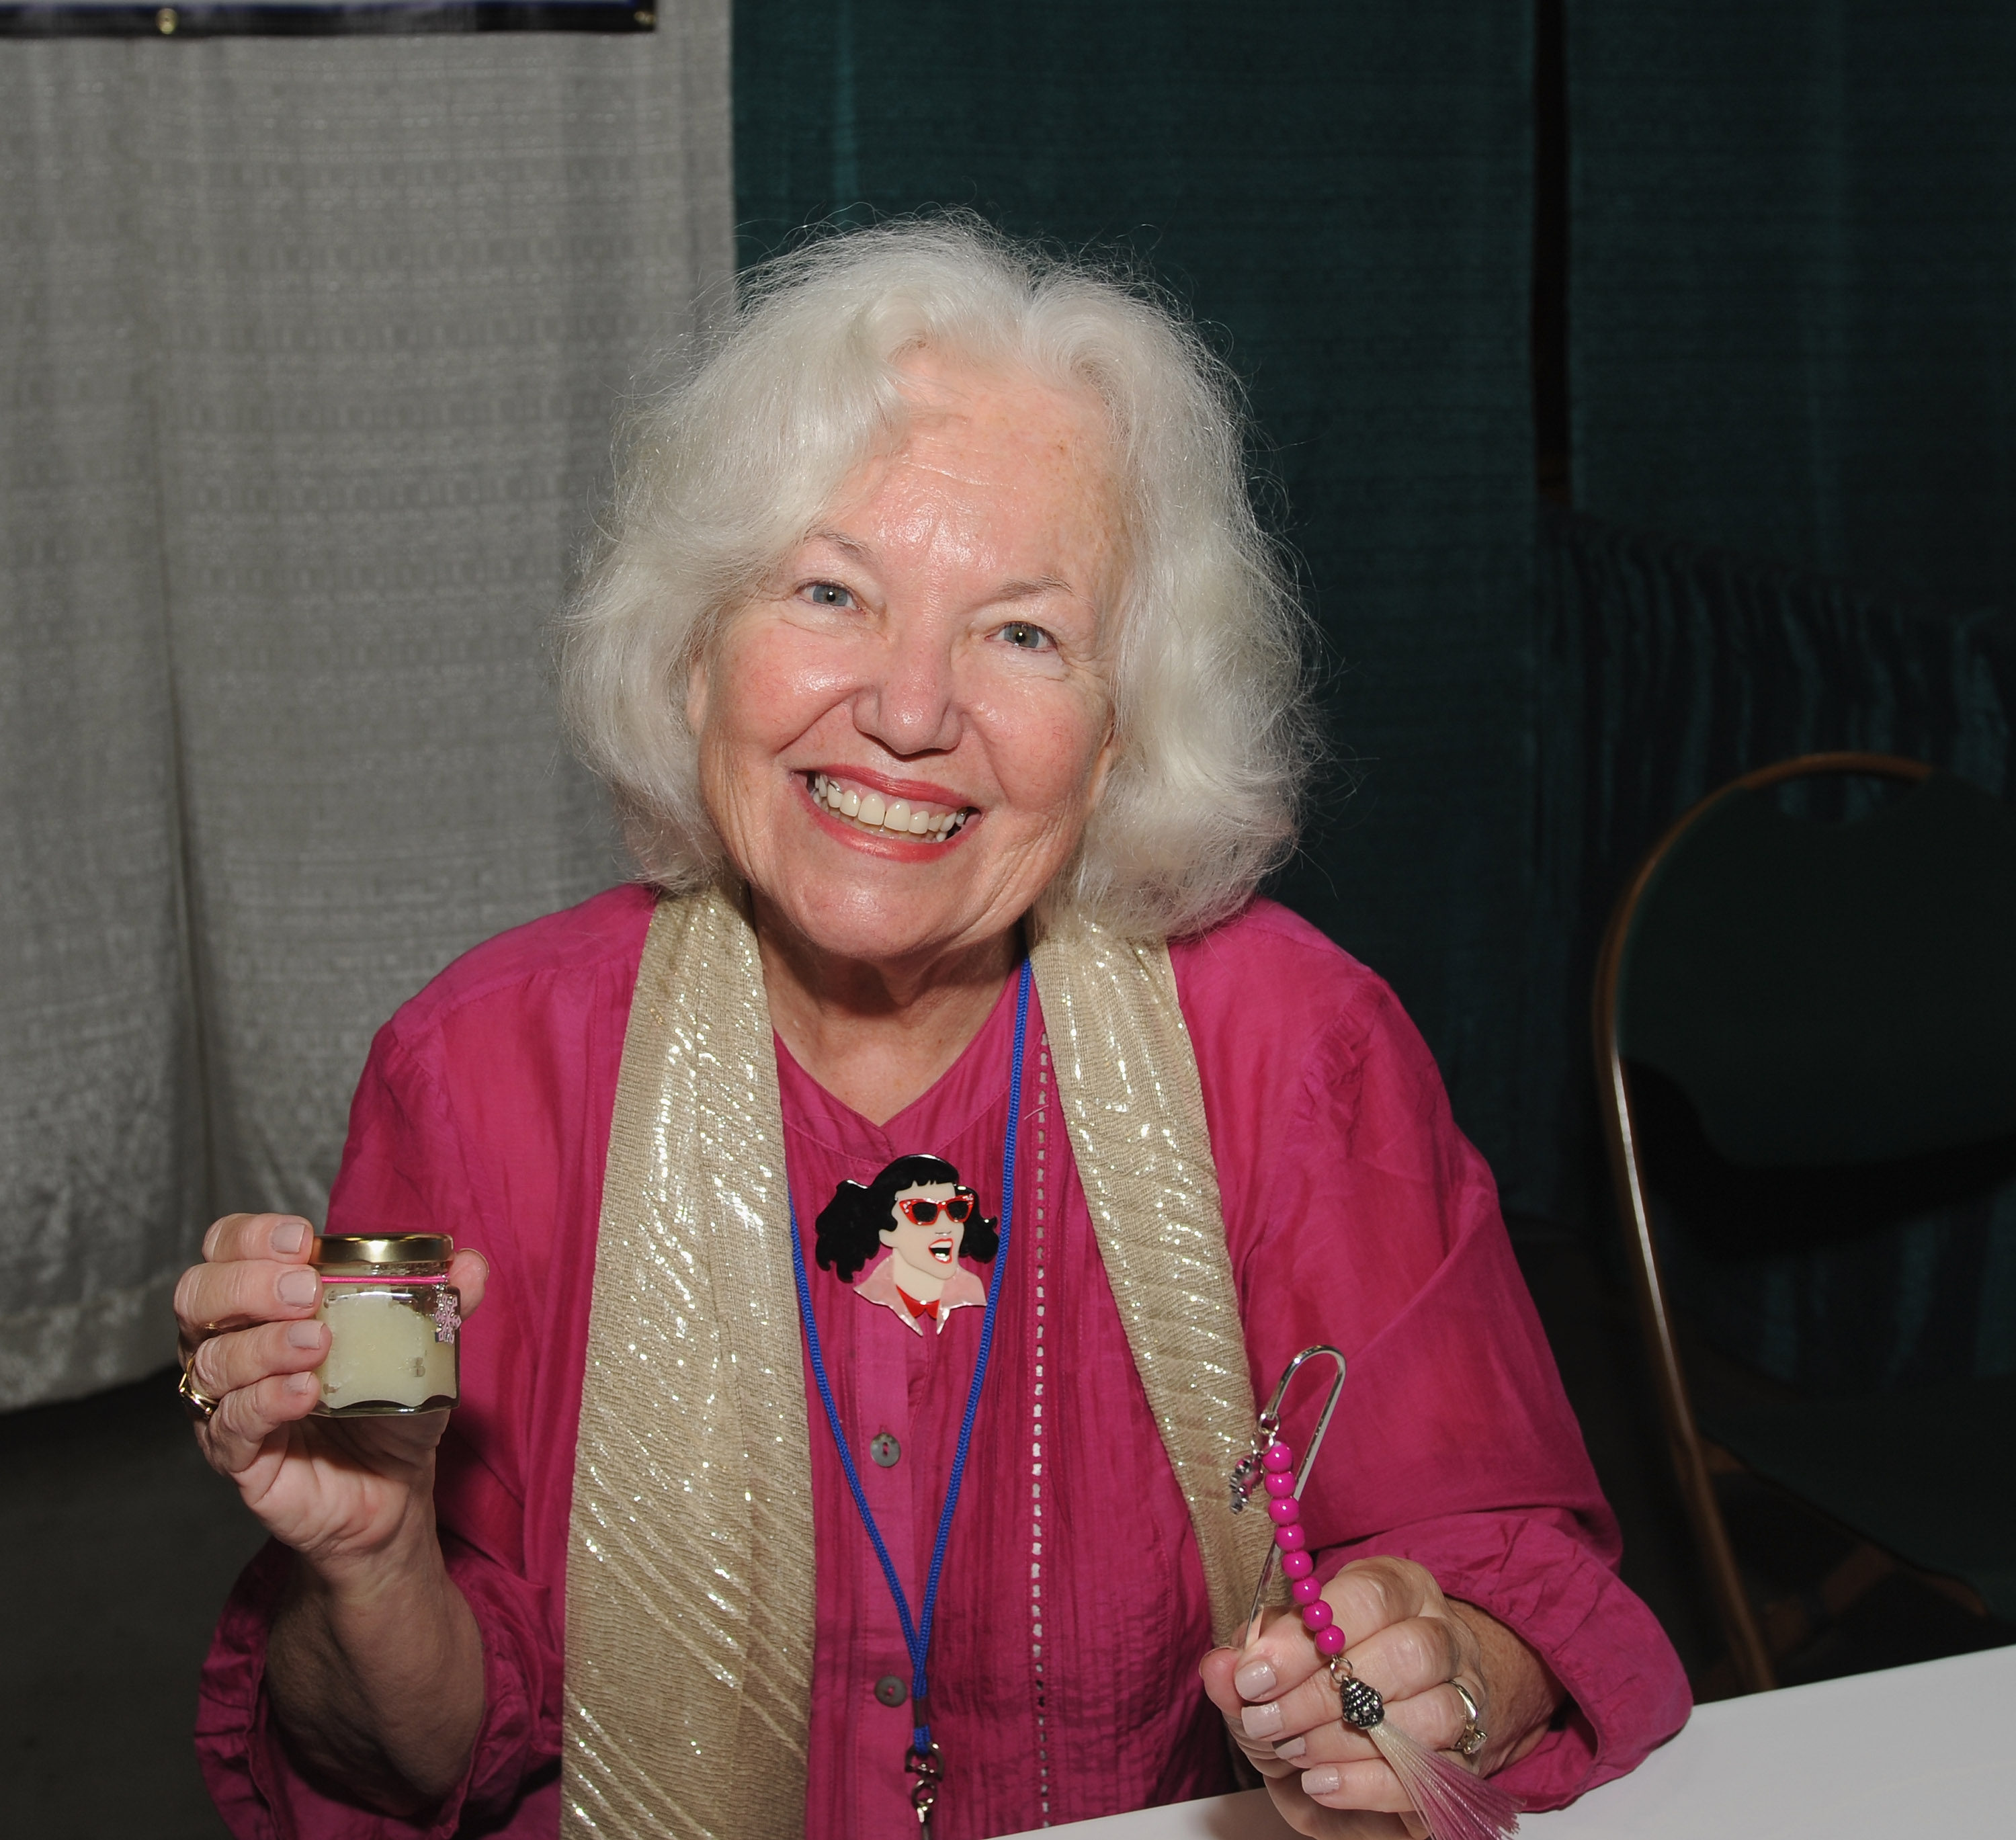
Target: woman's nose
[{"x": 909, "y": 705}]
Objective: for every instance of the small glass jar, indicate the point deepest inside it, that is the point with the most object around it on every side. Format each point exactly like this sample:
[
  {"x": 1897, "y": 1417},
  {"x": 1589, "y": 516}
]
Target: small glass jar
[{"x": 394, "y": 1322}]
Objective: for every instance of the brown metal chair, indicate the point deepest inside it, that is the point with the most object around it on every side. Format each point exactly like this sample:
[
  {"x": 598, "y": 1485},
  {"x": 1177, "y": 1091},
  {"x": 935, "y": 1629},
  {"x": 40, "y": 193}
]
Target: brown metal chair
[{"x": 1712, "y": 1001}]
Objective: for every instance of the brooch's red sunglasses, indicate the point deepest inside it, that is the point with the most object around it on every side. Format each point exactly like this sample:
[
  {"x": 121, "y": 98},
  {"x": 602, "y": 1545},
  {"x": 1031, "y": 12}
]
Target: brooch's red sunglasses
[{"x": 920, "y": 1212}]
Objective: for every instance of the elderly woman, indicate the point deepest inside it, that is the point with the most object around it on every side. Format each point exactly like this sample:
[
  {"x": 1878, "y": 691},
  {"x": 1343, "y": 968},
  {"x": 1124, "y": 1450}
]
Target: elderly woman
[{"x": 953, "y": 701}]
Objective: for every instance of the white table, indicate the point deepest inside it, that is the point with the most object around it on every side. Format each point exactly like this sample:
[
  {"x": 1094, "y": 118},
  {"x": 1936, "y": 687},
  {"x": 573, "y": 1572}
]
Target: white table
[{"x": 1924, "y": 1751}]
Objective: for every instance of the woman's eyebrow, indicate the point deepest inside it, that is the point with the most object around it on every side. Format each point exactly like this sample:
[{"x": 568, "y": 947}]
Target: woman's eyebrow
[
  {"x": 853, "y": 546},
  {"x": 1020, "y": 588},
  {"x": 1032, "y": 587}
]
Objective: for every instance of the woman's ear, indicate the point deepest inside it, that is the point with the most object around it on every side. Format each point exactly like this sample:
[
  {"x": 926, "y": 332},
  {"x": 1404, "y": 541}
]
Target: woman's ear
[
  {"x": 888, "y": 1235},
  {"x": 1109, "y": 751}
]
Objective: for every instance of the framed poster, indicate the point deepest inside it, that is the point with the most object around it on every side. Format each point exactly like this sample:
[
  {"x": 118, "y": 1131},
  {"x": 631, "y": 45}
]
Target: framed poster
[{"x": 316, "y": 19}]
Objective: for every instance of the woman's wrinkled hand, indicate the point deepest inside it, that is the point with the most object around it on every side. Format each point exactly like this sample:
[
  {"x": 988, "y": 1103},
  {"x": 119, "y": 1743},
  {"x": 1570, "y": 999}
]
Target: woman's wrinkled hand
[
  {"x": 336, "y": 1490},
  {"x": 1406, "y": 1638}
]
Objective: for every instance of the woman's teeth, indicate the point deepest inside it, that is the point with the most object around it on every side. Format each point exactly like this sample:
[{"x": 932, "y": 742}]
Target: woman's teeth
[
  {"x": 894, "y": 817},
  {"x": 942, "y": 1251}
]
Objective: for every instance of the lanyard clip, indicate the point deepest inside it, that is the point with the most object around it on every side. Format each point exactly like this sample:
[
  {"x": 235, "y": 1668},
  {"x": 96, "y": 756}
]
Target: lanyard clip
[{"x": 928, "y": 1766}]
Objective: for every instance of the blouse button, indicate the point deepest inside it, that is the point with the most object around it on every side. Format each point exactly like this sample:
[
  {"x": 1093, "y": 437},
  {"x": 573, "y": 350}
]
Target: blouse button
[
  {"x": 889, "y": 1689},
  {"x": 884, "y": 1449}
]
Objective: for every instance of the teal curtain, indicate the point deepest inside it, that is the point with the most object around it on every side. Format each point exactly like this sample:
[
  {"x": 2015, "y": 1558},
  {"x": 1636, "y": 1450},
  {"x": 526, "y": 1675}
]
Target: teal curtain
[
  {"x": 1667, "y": 669},
  {"x": 1792, "y": 355},
  {"x": 1340, "y": 190},
  {"x": 1792, "y": 292},
  {"x": 1670, "y": 668}
]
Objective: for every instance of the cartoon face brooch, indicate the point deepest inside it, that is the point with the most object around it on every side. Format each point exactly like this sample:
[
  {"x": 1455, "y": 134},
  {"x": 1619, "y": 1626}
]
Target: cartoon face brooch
[{"x": 919, "y": 1210}]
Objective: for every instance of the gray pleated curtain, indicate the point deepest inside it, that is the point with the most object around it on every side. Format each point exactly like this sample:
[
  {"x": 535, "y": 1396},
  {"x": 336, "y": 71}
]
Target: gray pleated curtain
[{"x": 310, "y": 353}]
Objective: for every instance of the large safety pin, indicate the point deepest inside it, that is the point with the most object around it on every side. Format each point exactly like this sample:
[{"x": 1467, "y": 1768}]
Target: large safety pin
[{"x": 1246, "y": 1474}]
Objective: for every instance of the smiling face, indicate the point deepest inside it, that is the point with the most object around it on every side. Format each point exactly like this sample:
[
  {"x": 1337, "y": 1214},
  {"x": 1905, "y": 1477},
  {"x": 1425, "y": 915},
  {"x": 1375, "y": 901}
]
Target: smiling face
[
  {"x": 902, "y": 734},
  {"x": 929, "y": 1249}
]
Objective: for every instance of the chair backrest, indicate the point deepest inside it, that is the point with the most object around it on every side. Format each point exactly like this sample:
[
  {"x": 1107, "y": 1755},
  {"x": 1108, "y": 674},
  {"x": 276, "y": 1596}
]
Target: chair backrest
[
  {"x": 1830, "y": 993},
  {"x": 1808, "y": 1037},
  {"x": 1803, "y": 1000}
]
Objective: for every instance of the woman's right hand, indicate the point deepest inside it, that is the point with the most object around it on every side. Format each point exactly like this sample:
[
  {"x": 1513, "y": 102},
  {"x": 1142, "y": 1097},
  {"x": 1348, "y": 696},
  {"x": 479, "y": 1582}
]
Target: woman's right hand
[
  {"x": 374, "y": 1663},
  {"x": 339, "y": 1491}
]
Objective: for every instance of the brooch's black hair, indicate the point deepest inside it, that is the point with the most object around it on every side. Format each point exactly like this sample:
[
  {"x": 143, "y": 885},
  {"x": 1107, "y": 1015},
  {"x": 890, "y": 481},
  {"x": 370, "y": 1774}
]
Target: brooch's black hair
[{"x": 852, "y": 1224}]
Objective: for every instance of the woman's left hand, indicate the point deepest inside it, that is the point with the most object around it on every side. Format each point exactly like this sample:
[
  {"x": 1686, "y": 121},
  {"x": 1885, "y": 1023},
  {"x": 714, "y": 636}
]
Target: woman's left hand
[{"x": 1407, "y": 1640}]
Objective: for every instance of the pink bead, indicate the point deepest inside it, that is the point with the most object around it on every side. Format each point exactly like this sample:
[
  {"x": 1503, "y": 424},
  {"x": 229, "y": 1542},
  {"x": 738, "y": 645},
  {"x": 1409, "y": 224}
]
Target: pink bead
[
  {"x": 1284, "y": 1510},
  {"x": 1280, "y": 1482},
  {"x": 1316, "y": 1616},
  {"x": 1329, "y": 1641},
  {"x": 1296, "y": 1565},
  {"x": 1277, "y": 1455},
  {"x": 1304, "y": 1590},
  {"x": 1290, "y": 1539}
]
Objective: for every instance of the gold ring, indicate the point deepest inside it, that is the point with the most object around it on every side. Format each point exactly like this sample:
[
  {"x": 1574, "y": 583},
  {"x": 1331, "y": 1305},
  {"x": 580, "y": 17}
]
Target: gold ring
[
  {"x": 1473, "y": 1738},
  {"x": 199, "y": 1405}
]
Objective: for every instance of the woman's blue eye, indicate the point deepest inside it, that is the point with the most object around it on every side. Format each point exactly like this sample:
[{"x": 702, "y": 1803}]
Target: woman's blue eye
[
  {"x": 829, "y": 594},
  {"x": 1020, "y": 633}
]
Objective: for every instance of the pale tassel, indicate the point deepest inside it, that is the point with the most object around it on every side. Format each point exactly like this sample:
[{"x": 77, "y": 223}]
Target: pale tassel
[{"x": 1456, "y": 1804}]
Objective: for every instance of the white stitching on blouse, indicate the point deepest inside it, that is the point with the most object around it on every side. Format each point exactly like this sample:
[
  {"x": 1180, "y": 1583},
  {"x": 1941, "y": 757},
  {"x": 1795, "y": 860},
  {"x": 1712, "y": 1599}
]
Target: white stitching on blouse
[{"x": 1036, "y": 1441}]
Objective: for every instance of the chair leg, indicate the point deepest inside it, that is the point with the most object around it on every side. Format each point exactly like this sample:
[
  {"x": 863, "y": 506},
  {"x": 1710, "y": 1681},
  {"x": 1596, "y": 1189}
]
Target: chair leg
[
  {"x": 1957, "y": 1590},
  {"x": 1788, "y": 1623},
  {"x": 1749, "y": 1652},
  {"x": 1866, "y": 1567}
]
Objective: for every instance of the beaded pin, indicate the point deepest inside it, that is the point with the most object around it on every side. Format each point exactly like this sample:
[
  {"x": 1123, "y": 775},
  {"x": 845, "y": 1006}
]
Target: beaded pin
[
  {"x": 1271, "y": 1464},
  {"x": 1455, "y": 1804}
]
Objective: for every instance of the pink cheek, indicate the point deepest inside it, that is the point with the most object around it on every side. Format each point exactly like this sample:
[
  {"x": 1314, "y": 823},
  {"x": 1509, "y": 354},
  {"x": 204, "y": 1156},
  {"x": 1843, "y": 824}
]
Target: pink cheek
[
  {"x": 1040, "y": 768},
  {"x": 779, "y": 686}
]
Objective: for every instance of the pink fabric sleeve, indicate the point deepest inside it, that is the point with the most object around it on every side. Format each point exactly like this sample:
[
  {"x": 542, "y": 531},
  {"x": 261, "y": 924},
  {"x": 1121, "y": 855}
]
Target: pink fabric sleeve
[
  {"x": 1357, "y": 1214},
  {"x": 1460, "y": 1383},
  {"x": 1626, "y": 1694},
  {"x": 250, "y": 1773},
  {"x": 402, "y": 1171}
]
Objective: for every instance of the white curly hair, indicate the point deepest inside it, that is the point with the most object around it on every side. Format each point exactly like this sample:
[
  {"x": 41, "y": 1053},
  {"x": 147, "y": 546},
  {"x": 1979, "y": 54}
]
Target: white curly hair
[{"x": 723, "y": 474}]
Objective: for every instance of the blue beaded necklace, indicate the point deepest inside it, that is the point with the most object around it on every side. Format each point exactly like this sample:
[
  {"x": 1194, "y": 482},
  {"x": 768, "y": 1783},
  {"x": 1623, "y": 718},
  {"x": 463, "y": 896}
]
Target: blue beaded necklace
[{"x": 923, "y": 1759}]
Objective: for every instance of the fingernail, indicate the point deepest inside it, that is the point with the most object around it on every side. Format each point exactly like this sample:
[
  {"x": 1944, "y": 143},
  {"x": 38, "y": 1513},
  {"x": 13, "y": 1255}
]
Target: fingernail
[
  {"x": 304, "y": 1334},
  {"x": 1255, "y": 1680},
  {"x": 1262, "y": 1721},
  {"x": 303, "y": 1383},
  {"x": 289, "y": 1237},
  {"x": 1326, "y": 1779},
  {"x": 298, "y": 1286},
  {"x": 1291, "y": 1747}
]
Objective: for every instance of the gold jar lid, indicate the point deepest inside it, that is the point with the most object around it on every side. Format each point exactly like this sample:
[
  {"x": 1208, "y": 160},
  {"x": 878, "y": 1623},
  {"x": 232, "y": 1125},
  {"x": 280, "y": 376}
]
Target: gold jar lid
[{"x": 391, "y": 1248}]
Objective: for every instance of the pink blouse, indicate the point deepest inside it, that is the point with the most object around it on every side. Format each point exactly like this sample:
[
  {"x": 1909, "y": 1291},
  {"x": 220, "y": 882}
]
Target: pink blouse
[{"x": 1072, "y": 1613}]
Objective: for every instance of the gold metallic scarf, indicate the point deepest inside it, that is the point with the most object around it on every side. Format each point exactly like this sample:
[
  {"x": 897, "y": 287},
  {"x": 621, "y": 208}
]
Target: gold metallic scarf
[{"x": 689, "y": 1555}]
